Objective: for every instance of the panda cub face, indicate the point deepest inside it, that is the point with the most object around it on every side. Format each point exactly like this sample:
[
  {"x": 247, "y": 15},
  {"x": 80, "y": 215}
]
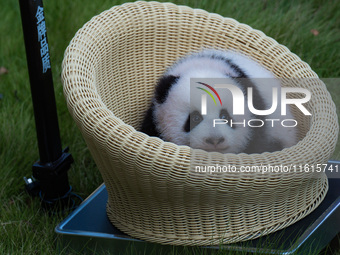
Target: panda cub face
[
  {"x": 224, "y": 138},
  {"x": 178, "y": 116},
  {"x": 175, "y": 112}
]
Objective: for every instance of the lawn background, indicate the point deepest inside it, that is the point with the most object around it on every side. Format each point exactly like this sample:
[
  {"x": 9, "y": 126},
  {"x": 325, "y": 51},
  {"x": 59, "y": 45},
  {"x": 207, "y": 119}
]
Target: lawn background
[{"x": 310, "y": 29}]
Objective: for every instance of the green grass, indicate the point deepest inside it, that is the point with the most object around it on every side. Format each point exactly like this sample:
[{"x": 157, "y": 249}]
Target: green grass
[{"x": 24, "y": 228}]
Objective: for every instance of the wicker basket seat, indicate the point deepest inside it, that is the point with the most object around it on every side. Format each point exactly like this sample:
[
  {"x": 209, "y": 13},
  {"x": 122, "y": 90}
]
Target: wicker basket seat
[{"x": 155, "y": 193}]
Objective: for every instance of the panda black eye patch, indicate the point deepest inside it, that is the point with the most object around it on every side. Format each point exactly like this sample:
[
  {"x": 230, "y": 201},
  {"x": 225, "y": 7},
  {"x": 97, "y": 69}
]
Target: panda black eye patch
[
  {"x": 224, "y": 114},
  {"x": 192, "y": 121}
]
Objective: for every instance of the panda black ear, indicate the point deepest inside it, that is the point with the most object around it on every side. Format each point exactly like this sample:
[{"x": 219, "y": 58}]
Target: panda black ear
[{"x": 163, "y": 87}]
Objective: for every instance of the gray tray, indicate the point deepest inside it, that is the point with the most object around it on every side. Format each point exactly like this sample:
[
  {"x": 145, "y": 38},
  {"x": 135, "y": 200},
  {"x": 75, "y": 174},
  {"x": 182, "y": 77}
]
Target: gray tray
[{"x": 88, "y": 230}]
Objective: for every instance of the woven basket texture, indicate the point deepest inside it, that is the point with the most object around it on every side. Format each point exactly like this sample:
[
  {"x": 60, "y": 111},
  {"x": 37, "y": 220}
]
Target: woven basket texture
[{"x": 109, "y": 73}]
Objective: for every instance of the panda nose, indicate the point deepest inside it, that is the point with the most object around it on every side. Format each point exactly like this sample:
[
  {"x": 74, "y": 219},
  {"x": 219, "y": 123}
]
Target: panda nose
[{"x": 214, "y": 140}]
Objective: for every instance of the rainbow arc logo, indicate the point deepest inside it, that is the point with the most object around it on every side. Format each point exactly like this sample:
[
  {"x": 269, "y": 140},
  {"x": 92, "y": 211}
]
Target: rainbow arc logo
[{"x": 209, "y": 93}]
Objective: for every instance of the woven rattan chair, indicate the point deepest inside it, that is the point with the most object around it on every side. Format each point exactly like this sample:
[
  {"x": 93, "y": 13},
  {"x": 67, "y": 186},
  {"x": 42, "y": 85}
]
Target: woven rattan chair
[{"x": 109, "y": 72}]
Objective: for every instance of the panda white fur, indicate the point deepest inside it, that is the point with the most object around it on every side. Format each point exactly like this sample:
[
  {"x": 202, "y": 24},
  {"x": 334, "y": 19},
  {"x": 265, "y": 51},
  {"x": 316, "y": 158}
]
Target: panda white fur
[{"x": 175, "y": 114}]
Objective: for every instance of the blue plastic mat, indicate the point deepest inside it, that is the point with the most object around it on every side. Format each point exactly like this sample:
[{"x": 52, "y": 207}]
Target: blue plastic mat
[{"x": 88, "y": 228}]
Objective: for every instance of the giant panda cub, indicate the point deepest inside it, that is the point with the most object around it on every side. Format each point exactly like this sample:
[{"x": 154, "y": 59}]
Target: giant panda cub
[{"x": 175, "y": 114}]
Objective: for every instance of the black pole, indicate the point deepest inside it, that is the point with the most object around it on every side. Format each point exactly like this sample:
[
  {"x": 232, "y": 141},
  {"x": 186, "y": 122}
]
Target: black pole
[{"x": 50, "y": 170}]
